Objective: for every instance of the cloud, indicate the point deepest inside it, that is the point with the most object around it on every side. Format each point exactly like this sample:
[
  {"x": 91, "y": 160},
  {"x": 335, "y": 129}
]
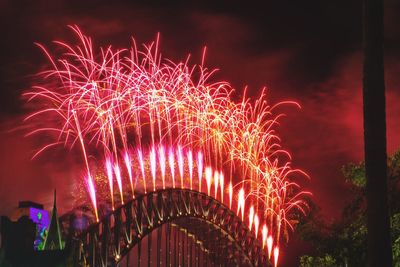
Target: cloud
[
  {"x": 328, "y": 132},
  {"x": 24, "y": 178}
]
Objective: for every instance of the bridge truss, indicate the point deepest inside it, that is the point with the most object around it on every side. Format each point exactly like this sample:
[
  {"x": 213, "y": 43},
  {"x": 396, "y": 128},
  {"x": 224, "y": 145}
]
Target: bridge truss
[{"x": 171, "y": 227}]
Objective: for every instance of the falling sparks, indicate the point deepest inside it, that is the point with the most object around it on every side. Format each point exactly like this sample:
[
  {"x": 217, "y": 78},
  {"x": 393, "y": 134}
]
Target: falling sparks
[
  {"x": 241, "y": 202},
  {"x": 153, "y": 167},
  {"x": 216, "y": 180},
  {"x": 200, "y": 168},
  {"x": 256, "y": 224},
  {"x": 171, "y": 162},
  {"x": 162, "y": 164},
  {"x": 92, "y": 193},
  {"x": 180, "y": 165},
  {"x": 208, "y": 179},
  {"x": 110, "y": 180},
  {"x": 251, "y": 217},
  {"x": 230, "y": 189},
  {"x": 276, "y": 256},
  {"x": 264, "y": 233},
  {"x": 128, "y": 164},
  {"x": 118, "y": 177},
  {"x": 141, "y": 163},
  {"x": 221, "y": 185},
  {"x": 270, "y": 242},
  {"x": 113, "y": 103},
  {"x": 190, "y": 165}
]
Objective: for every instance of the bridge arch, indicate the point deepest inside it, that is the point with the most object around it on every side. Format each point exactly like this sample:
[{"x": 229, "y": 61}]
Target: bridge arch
[{"x": 222, "y": 234}]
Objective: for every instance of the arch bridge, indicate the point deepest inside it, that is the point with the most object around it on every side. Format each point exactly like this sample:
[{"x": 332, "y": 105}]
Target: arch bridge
[{"x": 170, "y": 227}]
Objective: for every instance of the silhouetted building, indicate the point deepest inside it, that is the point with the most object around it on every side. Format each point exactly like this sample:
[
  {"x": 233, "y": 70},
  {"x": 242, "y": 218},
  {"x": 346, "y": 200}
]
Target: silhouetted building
[
  {"x": 17, "y": 240},
  {"x": 19, "y": 236},
  {"x": 38, "y": 215}
]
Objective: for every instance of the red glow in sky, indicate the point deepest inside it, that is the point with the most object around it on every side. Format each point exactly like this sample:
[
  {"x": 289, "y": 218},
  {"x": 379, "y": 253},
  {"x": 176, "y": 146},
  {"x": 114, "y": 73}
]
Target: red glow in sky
[{"x": 309, "y": 52}]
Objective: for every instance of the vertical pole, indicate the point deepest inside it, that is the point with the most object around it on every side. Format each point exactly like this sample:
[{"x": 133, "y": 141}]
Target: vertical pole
[
  {"x": 195, "y": 253},
  {"x": 176, "y": 252},
  {"x": 167, "y": 243},
  {"x": 183, "y": 247},
  {"x": 149, "y": 261},
  {"x": 179, "y": 247},
  {"x": 378, "y": 223},
  {"x": 159, "y": 249},
  {"x": 92, "y": 248},
  {"x": 104, "y": 242},
  {"x": 139, "y": 253},
  {"x": 117, "y": 230},
  {"x": 127, "y": 258},
  {"x": 190, "y": 252}
]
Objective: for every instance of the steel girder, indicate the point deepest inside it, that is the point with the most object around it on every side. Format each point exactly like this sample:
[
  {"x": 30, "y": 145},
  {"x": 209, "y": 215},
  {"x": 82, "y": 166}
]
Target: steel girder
[{"x": 225, "y": 237}]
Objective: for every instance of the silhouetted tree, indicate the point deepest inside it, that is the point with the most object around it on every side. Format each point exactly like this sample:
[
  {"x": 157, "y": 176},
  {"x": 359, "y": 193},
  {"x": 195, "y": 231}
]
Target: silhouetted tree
[{"x": 343, "y": 242}]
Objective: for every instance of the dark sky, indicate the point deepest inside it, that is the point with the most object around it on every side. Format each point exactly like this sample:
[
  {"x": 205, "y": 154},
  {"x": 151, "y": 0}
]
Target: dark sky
[{"x": 308, "y": 51}]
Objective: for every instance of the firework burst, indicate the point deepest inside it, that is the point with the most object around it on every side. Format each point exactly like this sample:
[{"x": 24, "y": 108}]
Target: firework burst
[{"x": 150, "y": 118}]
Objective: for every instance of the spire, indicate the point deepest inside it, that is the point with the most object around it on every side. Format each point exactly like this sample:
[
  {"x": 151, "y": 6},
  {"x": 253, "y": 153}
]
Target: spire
[
  {"x": 55, "y": 199},
  {"x": 53, "y": 239}
]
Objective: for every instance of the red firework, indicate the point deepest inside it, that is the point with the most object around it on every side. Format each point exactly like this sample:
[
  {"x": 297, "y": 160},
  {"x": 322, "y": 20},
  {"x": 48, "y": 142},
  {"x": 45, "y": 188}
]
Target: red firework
[{"x": 138, "y": 114}]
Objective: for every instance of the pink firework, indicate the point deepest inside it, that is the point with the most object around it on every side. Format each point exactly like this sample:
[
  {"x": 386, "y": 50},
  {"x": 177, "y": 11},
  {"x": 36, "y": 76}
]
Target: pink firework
[
  {"x": 208, "y": 179},
  {"x": 190, "y": 165},
  {"x": 110, "y": 180},
  {"x": 251, "y": 217},
  {"x": 92, "y": 193},
  {"x": 200, "y": 168},
  {"x": 171, "y": 162},
  {"x": 128, "y": 165},
  {"x": 109, "y": 103},
  {"x": 162, "y": 159}
]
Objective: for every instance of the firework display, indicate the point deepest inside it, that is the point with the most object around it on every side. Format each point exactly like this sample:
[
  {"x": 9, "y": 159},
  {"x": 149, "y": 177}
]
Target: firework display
[{"x": 144, "y": 123}]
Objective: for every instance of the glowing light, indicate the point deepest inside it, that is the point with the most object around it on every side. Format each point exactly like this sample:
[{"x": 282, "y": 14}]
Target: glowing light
[
  {"x": 276, "y": 256},
  {"x": 141, "y": 163},
  {"x": 221, "y": 185},
  {"x": 256, "y": 224},
  {"x": 118, "y": 177},
  {"x": 241, "y": 202},
  {"x": 128, "y": 164},
  {"x": 162, "y": 158},
  {"x": 171, "y": 162},
  {"x": 153, "y": 166},
  {"x": 230, "y": 188},
  {"x": 208, "y": 179},
  {"x": 251, "y": 217},
  {"x": 200, "y": 167},
  {"x": 270, "y": 242},
  {"x": 180, "y": 165},
  {"x": 190, "y": 164},
  {"x": 216, "y": 179},
  {"x": 92, "y": 193},
  {"x": 264, "y": 233},
  {"x": 110, "y": 180}
]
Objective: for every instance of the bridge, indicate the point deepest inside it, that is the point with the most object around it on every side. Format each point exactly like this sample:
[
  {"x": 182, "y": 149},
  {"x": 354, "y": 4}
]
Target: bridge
[{"x": 171, "y": 227}]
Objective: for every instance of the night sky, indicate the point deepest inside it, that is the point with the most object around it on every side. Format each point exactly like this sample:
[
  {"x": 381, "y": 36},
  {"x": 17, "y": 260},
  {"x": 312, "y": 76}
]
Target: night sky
[{"x": 308, "y": 51}]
